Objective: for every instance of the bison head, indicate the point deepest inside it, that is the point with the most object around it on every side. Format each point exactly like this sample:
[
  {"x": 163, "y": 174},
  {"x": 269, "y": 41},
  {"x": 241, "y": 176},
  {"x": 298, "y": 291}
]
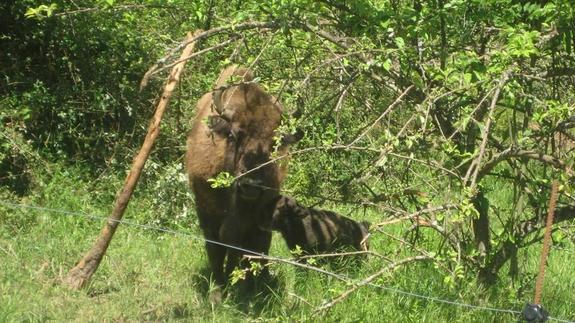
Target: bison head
[{"x": 249, "y": 117}]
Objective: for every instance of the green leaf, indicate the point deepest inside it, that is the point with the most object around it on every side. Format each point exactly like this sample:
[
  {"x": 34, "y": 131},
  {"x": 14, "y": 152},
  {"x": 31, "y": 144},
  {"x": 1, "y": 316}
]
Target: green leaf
[
  {"x": 224, "y": 179},
  {"x": 399, "y": 42},
  {"x": 387, "y": 64},
  {"x": 41, "y": 11}
]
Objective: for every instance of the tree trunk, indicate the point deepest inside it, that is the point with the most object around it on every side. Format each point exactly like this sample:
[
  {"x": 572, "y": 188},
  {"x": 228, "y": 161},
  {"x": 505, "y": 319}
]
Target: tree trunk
[{"x": 481, "y": 225}]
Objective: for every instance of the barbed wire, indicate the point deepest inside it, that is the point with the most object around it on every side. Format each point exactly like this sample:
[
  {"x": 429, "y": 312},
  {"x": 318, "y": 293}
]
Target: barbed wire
[{"x": 271, "y": 258}]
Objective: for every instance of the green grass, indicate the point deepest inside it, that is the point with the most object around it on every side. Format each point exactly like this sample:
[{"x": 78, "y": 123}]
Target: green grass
[{"x": 152, "y": 276}]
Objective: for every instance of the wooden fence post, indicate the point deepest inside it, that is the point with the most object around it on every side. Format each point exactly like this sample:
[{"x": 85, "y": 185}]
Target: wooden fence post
[{"x": 80, "y": 275}]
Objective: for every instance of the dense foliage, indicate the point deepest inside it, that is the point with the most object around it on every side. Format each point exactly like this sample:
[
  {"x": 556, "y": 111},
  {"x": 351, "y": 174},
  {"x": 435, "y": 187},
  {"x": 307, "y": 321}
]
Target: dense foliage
[{"x": 461, "y": 111}]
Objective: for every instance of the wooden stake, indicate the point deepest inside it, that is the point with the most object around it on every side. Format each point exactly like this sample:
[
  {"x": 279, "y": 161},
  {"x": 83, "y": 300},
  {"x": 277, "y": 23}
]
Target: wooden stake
[
  {"x": 546, "y": 244},
  {"x": 80, "y": 275}
]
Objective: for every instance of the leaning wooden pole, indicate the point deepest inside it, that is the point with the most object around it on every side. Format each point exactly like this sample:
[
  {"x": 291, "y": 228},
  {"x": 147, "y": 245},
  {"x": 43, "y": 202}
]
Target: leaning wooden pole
[
  {"x": 80, "y": 275},
  {"x": 546, "y": 243}
]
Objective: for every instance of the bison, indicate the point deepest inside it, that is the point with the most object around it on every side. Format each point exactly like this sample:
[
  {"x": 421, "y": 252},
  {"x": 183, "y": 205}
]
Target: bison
[
  {"x": 235, "y": 131},
  {"x": 317, "y": 231}
]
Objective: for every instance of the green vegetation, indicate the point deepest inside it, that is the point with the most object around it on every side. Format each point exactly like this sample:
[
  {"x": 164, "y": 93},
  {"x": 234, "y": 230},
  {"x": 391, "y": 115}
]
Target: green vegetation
[
  {"x": 150, "y": 275},
  {"x": 463, "y": 111}
]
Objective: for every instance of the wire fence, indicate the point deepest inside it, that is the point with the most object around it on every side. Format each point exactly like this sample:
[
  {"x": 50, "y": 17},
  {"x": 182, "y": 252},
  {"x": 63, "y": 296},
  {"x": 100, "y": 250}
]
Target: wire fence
[{"x": 272, "y": 258}]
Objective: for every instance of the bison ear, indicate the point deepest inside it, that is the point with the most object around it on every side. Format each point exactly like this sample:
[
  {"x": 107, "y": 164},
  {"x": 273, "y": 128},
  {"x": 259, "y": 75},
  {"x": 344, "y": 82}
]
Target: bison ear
[
  {"x": 217, "y": 100},
  {"x": 292, "y": 138}
]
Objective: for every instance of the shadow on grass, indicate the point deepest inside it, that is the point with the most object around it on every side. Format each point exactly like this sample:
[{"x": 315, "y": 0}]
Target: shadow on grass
[
  {"x": 251, "y": 296},
  {"x": 95, "y": 291}
]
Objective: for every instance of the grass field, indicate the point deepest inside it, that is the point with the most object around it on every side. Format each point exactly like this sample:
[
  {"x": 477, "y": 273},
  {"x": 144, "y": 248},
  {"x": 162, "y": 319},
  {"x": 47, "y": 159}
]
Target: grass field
[{"x": 154, "y": 276}]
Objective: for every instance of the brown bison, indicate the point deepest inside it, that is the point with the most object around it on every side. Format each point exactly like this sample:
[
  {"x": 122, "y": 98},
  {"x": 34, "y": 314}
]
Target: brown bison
[
  {"x": 317, "y": 231},
  {"x": 235, "y": 132}
]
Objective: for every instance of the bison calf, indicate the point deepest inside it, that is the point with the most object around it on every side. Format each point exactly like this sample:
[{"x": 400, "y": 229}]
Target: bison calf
[{"x": 317, "y": 231}]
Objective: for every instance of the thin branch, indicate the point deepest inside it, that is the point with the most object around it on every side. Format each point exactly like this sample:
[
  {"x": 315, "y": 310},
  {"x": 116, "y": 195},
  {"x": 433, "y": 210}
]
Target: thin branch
[
  {"x": 298, "y": 264},
  {"x": 388, "y": 110},
  {"x": 519, "y": 153},
  {"x": 477, "y": 162},
  {"x": 351, "y": 253},
  {"x": 214, "y": 31},
  {"x": 113, "y": 8},
  {"x": 525, "y": 228},
  {"x": 558, "y": 72},
  {"x": 300, "y": 299},
  {"x": 430, "y": 163},
  {"x": 472, "y": 113},
  {"x": 366, "y": 59},
  {"x": 345, "y": 147},
  {"x": 159, "y": 69},
  {"x": 566, "y": 124},
  {"x": 421, "y": 251},
  {"x": 368, "y": 280},
  {"x": 416, "y": 214}
]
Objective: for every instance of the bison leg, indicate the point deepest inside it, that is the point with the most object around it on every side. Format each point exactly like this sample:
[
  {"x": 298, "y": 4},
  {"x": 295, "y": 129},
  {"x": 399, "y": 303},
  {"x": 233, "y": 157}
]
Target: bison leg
[
  {"x": 216, "y": 256},
  {"x": 210, "y": 226},
  {"x": 238, "y": 232},
  {"x": 232, "y": 232},
  {"x": 259, "y": 241}
]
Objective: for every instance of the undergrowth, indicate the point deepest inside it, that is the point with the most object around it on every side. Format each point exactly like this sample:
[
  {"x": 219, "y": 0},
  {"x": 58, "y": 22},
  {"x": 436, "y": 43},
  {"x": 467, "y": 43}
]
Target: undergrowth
[{"x": 153, "y": 276}]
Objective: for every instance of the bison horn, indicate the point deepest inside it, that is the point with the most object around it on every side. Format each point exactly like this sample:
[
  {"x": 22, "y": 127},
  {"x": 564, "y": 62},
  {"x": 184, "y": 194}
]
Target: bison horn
[{"x": 217, "y": 99}]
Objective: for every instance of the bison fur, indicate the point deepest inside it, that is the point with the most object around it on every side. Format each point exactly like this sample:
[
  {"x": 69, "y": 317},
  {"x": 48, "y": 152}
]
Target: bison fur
[
  {"x": 234, "y": 131},
  {"x": 317, "y": 231}
]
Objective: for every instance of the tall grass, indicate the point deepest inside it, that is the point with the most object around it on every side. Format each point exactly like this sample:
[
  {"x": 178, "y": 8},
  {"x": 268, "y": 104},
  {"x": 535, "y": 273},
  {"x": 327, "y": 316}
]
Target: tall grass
[{"x": 154, "y": 276}]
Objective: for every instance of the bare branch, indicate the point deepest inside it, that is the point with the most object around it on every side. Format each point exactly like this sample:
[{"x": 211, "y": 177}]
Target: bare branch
[
  {"x": 298, "y": 264},
  {"x": 414, "y": 247},
  {"x": 368, "y": 280},
  {"x": 416, "y": 214},
  {"x": 341, "y": 42},
  {"x": 388, "y": 110},
  {"x": 525, "y": 228},
  {"x": 566, "y": 124},
  {"x": 474, "y": 167},
  {"x": 430, "y": 163},
  {"x": 351, "y": 253},
  {"x": 209, "y": 33},
  {"x": 114, "y": 8},
  {"x": 347, "y": 147},
  {"x": 159, "y": 69},
  {"x": 558, "y": 72},
  {"x": 518, "y": 153}
]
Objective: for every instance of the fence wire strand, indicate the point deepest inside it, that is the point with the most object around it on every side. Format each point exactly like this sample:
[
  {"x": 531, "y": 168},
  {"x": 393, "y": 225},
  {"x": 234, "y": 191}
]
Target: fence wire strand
[{"x": 268, "y": 257}]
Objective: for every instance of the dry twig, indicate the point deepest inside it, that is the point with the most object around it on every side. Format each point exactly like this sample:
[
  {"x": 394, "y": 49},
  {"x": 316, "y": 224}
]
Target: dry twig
[
  {"x": 416, "y": 214},
  {"x": 368, "y": 280},
  {"x": 475, "y": 165}
]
